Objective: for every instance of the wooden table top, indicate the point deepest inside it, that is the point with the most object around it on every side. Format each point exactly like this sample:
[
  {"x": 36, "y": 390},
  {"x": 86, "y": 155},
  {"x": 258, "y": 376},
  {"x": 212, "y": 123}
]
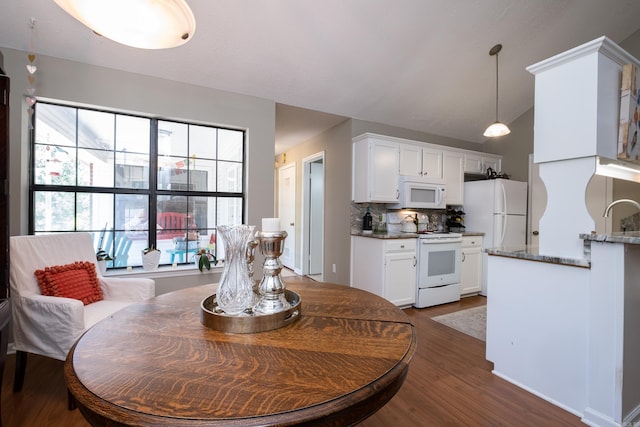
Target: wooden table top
[{"x": 154, "y": 363}]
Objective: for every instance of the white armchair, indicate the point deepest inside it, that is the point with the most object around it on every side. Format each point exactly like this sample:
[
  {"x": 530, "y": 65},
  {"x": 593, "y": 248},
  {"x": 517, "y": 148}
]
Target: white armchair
[{"x": 48, "y": 325}]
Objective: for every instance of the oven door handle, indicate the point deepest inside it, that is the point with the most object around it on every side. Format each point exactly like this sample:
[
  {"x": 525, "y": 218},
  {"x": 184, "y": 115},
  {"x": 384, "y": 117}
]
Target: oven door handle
[{"x": 439, "y": 241}]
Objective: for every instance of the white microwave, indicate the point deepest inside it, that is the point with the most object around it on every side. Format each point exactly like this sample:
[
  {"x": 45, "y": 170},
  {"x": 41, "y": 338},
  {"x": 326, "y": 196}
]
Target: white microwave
[{"x": 417, "y": 193}]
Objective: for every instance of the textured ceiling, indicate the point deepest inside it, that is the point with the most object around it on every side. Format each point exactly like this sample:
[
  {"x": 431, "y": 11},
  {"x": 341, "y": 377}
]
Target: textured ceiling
[{"x": 416, "y": 64}]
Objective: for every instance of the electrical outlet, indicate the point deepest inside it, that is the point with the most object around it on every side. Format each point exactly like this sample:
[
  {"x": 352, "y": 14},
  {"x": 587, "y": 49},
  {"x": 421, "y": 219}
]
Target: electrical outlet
[{"x": 333, "y": 268}]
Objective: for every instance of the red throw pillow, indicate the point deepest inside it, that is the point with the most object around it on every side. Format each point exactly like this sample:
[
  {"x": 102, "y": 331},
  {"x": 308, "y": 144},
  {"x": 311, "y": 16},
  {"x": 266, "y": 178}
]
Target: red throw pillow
[{"x": 78, "y": 280}]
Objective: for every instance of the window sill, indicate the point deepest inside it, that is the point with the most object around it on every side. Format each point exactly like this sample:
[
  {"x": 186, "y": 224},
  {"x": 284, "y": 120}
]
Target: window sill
[{"x": 164, "y": 271}]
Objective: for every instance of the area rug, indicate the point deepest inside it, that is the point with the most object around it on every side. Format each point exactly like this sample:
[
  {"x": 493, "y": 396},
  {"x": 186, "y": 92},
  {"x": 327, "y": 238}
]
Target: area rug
[{"x": 472, "y": 321}]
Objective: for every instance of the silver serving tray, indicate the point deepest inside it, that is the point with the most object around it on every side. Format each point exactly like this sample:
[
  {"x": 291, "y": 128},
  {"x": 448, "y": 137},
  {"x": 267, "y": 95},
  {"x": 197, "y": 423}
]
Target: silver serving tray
[{"x": 248, "y": 322}]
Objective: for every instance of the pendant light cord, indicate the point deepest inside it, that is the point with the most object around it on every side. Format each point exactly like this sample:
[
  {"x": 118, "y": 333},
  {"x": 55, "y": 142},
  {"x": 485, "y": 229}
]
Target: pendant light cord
[{"x": 497, "y": 86}]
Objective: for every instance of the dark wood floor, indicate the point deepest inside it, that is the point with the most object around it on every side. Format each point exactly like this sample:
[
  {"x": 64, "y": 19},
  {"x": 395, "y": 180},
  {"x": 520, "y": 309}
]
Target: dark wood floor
[{"x": 449, "y": 384}]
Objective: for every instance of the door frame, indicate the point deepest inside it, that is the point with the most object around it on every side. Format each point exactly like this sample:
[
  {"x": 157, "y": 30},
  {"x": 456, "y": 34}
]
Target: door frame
[{"x": 306, "y": 202}]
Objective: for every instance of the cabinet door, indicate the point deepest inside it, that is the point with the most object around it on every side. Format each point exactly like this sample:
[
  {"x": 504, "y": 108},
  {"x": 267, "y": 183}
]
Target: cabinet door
[
  {"x": 400, "y": 278},
  {"x": 383, "y": 172},
  {"x": 432, "y": 163},
  {"x": 493, "y": 163},
  {"x": 410, "y": 160},
  {"x": 471, "y": 271},
  {"x": 473, "y": 163},
  {"x": 453, "y": 175}
]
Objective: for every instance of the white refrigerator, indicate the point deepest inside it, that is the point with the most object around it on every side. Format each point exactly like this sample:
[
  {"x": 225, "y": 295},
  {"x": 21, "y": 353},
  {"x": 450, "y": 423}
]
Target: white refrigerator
[{"x": 498, "y": 208}]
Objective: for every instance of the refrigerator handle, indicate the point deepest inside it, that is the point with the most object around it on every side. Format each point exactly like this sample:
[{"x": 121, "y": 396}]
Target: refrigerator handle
[{"x": 504, "y": 198}]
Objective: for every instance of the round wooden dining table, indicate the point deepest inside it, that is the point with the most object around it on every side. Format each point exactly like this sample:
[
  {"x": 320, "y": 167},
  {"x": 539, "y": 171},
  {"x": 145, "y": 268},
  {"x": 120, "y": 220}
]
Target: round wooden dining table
[{"x": 156, "y": 364}]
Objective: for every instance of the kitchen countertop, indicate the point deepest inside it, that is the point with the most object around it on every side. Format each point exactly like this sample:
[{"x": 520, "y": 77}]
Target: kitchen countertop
[
  {"x": 628, "y": 237},
  {"x": 400, "y": 235},
  {"x": 531, "y": 253}
]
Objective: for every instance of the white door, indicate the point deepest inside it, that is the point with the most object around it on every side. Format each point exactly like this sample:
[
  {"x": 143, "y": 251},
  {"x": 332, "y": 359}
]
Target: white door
[
  {"x": 313, "y": 195},
  {"x": 287, "y": 212}
]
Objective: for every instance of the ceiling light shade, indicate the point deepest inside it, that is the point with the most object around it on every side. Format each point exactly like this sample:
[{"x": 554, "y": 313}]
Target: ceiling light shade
[
  {"x": 497, "y": 128},
  {"x": 145, "y": 24}
]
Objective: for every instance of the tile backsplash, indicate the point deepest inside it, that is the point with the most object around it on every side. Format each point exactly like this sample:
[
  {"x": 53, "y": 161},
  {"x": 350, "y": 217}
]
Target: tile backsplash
[{"x": 427, "y": 219}]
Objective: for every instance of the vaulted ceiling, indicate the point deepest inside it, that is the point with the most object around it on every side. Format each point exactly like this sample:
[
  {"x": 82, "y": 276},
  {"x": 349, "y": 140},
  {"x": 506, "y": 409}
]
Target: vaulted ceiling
[{"x": 417, "y": 64}]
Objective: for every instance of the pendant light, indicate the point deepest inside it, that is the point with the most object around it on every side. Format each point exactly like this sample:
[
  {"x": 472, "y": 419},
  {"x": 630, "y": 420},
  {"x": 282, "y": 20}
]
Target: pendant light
[
  {"x": 145, "y": 24},
  {"x": 497, "y": 128}
]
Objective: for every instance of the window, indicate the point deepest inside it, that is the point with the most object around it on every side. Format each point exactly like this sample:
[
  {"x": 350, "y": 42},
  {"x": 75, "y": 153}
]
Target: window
[{"x": 134, "y": 181}]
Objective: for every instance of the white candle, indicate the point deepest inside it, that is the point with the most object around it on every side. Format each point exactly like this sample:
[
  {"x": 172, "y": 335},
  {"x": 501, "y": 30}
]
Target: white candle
[{"x": 270, "y": 225}]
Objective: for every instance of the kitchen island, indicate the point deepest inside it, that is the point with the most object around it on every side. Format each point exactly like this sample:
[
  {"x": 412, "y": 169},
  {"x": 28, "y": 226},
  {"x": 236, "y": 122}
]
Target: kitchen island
[{"x": 566, "y": 329}]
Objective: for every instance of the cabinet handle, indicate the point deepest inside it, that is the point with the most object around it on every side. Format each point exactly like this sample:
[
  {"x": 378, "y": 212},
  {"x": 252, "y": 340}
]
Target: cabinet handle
[
  {"x": 415, "y": 261},
  {"x": 397, "y": 194},
  {"x": 463, "y": 256},
  {"x": 535, "y": 233}
]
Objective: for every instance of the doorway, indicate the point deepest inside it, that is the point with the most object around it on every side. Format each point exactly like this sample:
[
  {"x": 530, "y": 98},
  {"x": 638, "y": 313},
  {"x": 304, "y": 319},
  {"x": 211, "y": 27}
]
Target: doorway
[
  {"x": 287, "y": 212},
  {"x": 313, "y": 194}
]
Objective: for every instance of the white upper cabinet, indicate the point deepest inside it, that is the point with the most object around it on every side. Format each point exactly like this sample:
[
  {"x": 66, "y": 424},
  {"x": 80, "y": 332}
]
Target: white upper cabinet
[
  {"x": 416, "y": 160},
  {"x": 453, "y": 174},
  {"x": 375, "y": 171},
  {"x": 378, "y": 162},
  {"x": 479, "y": 163}
]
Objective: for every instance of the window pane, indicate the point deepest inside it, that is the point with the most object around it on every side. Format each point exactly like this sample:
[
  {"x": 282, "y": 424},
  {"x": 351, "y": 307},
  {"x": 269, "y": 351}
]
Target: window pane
[
  {"x": 230, "y": 144},
  {"x": 202, "y": 142},
  {"x": 96, "y": 129},
  {"x": 95, "y": 211},
  {"x": 173, "y": 173},
  {"x": 133, "y": 134},
  {"x": 202, "y": 176},
  {"x": 229, "y": 211},
  {"x": 172, "y": 139},
  {"x": 54, "y": 165},
  {"x": 95, "y": 168},
  {"x": 230, "y": 177},
  {"x": 55, "y": 125},
  {"x": 132, "y": 170},
  {"x": 132, "y": 214},
  {"x": 53, "y": 211}
]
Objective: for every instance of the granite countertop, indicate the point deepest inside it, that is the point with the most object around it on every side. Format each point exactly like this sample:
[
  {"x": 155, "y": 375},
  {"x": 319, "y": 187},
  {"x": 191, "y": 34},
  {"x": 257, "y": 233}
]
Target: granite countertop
[
  {"x": 400, "y": 235},
  {"x": 531, "y": 253},
  {"x": 392, "y": 235},
  {"x": 628, "y": 237}
]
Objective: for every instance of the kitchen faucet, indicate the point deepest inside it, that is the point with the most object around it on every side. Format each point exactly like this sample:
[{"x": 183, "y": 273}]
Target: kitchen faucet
[{"x": 615, "y": 202}]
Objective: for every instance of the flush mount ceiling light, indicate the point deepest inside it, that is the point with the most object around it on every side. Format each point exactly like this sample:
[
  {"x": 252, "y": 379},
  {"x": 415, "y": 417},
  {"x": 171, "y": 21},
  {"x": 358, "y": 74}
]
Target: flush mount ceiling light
[
  {"x": 145, "y": 24},
  {"x": 497, "y": 128}
]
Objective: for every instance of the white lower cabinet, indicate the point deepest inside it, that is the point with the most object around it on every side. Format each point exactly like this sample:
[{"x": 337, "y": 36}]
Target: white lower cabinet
[
  {"x": 471, "y": 271},
  {"x": 385, "y": 267}
]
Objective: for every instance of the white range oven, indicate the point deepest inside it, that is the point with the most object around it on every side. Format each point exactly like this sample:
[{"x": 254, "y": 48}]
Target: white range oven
[{"x": 439, "y": 263}]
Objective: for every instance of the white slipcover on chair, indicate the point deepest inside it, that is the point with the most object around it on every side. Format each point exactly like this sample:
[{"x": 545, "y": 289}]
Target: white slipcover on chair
[{"x": 47, "y": 325}]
